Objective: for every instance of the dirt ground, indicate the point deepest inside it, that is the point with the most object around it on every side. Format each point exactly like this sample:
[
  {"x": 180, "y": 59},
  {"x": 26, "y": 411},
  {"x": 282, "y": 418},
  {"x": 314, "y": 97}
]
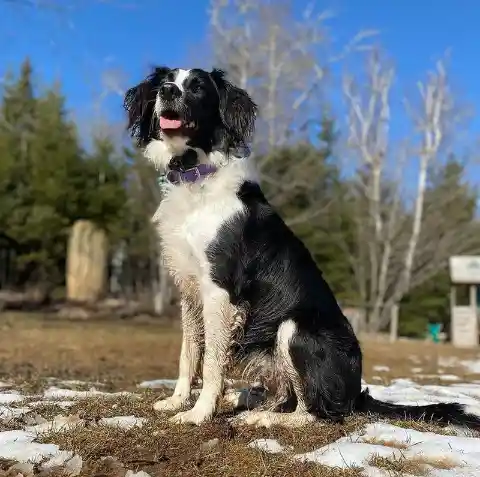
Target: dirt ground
[{"x": 120, "y": 354}]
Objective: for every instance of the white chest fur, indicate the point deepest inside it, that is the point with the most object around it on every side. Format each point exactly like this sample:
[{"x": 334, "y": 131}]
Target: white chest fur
[{"x": 190, "y": 217}]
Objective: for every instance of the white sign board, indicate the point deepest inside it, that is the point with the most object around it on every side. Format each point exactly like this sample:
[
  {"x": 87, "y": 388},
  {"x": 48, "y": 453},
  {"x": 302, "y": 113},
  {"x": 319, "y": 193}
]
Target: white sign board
[
  {"x": 465, "y": 269},
  {"x": 464, "y": 327}
]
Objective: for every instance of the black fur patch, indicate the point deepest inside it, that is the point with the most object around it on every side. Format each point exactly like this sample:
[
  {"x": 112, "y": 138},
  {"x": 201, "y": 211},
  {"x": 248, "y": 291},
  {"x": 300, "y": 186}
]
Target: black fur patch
[{"x": 269, "y": 273}]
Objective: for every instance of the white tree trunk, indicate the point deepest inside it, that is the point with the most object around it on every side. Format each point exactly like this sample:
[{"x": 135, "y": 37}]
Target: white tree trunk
[{"x": 386, "y": 250}]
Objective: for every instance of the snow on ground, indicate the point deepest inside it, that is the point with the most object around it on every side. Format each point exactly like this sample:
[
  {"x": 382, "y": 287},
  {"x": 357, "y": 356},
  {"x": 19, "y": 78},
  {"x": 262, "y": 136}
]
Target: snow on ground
[
  {"x": 125, "y": 422},
  {"x": 52, "y": 402},
  {"x": 461, "y": 454},
  {"x": 441, "y": 377},
  {"x": 454, "y": 456},
  {"x": 7, "y": 413},
  {"x": 158, "y": 384},
  {"x": 460, "y": 451},
  {"x": 10, "y": 397},
  {"x": 54, "y": 392},
  {"x": 355, "y": 450},
  {"x": 471, "y": 366},
  {"x": 19, "y": 445},
  {"x": 381, "y": 369}
]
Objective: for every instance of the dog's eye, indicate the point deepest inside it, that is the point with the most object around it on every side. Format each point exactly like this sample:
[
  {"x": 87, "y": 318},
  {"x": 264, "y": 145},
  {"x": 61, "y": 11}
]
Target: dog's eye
[{"x": 195, "y": 84}]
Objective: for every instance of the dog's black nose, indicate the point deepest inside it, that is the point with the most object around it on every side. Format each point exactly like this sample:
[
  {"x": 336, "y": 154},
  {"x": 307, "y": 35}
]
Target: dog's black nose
[{"x": 170, "y": 91}]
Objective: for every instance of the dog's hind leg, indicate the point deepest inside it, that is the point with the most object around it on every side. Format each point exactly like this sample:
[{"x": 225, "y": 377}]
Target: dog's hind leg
[
  {"x": 288, "y": 381},
  {"x": 191, "y": 352}
]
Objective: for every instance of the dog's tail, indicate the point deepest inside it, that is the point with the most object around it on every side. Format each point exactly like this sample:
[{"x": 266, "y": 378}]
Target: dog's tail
[{"x": 446, "y": 413}]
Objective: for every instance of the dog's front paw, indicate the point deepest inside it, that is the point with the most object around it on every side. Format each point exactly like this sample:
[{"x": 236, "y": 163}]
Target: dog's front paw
[
  {"x": 172, "y": 403},
  {"x": 197, "y": 415}
]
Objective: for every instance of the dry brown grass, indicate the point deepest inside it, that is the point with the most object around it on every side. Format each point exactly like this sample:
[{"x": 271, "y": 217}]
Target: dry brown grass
[
  {"x": 117, "y": 353},
  {"x": 386, "y": 443},
  {"x": 424, "y": 426},
  {"x": 120, "y": 354},
  {"x": 420, "y": 466},
  {"x": 215, "y": 449}
]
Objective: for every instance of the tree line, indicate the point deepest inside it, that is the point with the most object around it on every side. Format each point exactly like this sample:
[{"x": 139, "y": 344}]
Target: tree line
[
  {"x": 381, "y": 215},
  {"x": 49, "y": 180}
]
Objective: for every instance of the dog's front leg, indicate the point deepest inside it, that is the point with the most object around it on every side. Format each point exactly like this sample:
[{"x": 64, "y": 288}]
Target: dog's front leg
[
  {"x": 190, "y": 354},
  {"x": 218, "y": 326}
]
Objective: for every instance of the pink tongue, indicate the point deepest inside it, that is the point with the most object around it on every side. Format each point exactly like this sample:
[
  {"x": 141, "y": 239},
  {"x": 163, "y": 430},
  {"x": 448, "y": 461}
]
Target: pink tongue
[{"x": 170, "y": 123}]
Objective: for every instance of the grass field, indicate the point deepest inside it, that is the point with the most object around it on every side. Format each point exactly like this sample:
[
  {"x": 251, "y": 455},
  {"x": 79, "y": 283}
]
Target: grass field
[{"x": 120, "y": 354}]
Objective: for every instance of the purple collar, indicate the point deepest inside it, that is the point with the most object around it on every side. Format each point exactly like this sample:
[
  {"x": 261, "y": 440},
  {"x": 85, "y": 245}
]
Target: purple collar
[{"x": 190, "y": 175}]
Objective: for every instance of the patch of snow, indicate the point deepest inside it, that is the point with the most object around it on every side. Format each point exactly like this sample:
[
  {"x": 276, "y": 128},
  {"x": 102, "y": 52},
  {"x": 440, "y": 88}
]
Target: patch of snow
[
  {"x": 405, "y": 391},
  {"x": 447, "y": 361},
  {"x": 441, "y": 377},
  {"x": 141, "y": 473},
  {"x": 20, "y": 446},
  {"x": 377, "y": 378},
  {"x": 416, "y": 370},
  {"x": 449, "y": 377},
  {"x": 7, "y": 398},
  {"x": 381, "y": 368},
  {"x": 71, "y": 464},
  {"x": 158, "y": 383},
  {"x": 472, "y": 366},
  {"x": 54, "y": 392},
  {"x": 272, "y": 446},
  {"x": 73, "y": 382},
  {"x": 58, "y": 459},
  {"x": 124, "y": 422},
  {"x": 347, "y": 454},
  {"x": 73, "y": 467},
  {"x": 53, "y": 402},
  {"x": 4, "y": 385},
  {"x": 7, "y": 413},
  {"x": 357, "y": 449},
  {"x": 59, "y": 423}
]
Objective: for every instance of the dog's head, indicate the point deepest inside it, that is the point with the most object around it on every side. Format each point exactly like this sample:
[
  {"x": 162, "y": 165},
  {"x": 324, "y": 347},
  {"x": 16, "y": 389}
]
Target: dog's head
[{"x": 194, "y": 107}]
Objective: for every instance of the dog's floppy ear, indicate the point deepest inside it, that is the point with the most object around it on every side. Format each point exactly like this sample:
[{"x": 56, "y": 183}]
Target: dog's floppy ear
[
  {"x": 140, "y": 104},
  {"x": 237, "y": 111}
]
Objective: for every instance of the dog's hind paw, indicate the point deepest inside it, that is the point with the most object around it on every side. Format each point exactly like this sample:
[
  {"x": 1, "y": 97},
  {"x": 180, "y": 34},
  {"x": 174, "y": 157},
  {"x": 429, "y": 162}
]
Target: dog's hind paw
[
  {"x": 172, "y": 403},
  {"x": 269, "y": 418}
]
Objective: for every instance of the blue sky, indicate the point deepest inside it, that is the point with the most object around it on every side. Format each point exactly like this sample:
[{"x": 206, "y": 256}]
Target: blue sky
[{"x": 76, "y": 44}]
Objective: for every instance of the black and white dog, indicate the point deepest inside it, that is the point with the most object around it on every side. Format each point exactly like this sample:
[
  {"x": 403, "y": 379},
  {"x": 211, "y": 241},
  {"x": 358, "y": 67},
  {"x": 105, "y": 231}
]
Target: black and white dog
[{"x": 250, "y": 290}]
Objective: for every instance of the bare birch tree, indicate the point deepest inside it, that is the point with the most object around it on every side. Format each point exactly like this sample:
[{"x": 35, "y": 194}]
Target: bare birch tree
[
  {"x": 281, "y": 60},
  {"x": 284, "y": 62},
  {"x": 401, "y": 240}
]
